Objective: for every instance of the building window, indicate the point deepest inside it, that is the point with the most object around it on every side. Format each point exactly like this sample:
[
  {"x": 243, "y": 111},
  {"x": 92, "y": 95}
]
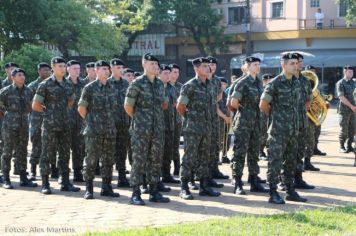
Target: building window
[
  {"x": 236, "y": 15},
  {"x": 343, "y": 8},
  {"x": 277, "y": 9},
  {"x": 314, "y": 3}
]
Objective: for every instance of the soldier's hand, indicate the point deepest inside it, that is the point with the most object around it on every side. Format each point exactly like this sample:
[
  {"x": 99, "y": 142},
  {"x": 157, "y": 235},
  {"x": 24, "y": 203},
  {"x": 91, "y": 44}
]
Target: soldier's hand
[
  {"x": 165, "y": 106},
  {"x": 327, "y": 104},
  {"x": 28, "y": 108},
  {"x": 307, "y": 106},
  {"x": 227, "y": 120},
  {"x": 1, "y": 114},
  {"x": 353, "y": 108}
]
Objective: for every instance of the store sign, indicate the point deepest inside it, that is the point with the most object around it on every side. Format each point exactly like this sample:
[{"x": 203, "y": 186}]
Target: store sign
[{"x": 148, "y": 43}]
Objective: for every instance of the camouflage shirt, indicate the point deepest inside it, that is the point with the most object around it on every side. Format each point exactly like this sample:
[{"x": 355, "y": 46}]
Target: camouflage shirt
[
  {"x": 147, "y": 99},
  {"x": 6, "y": 82},
  {"x": 100, "y": 101},
  {"x": 198, "y": 98},
  {"x": 283, "y": 96},
  {"x": 75, "y": 119},
  {"x": 345, "y": 87},
  {"x": 169, "y": 118},
  {"x": 248, "y": 92},
  {"x": 120, "y": 86},
  {"x": 16, "y": 103},
  {"x": 54, "y": 96},
  {"x": 35, "y": 117},
  {"x": 215, "y": 86},
  {"x": 305, "y": 96},
  {"x": 177, "y": 87}
]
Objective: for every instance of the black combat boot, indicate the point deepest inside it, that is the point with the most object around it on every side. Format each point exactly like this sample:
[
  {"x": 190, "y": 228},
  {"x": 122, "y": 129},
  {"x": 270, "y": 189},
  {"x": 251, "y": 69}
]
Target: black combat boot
[
  {"x": 106, "y": 189},
  {"x": 122, "y": 180},
  {"x": 212, "y": 183},
  {"x": 162, "y": 188},
  {"x": 33, "y": 172},
  {"x": 176, "y": 167},
  {"x": 155, "y": 196},
  {"x": 54, "y": 172},
  {"x": 349, "y": 146},
  {"x": 7, "y": 183},
  {"x": 317, "y": 152},
  {"x": 342, "y": 147},
  {"x": 168, "y": 178},
  {"x": 262, "y": 156},
  {"x": 300, "y": 183},
  {"x": 218, "y": 175},
  {"x": 262, "y": 181},
  {"x": 225, "y": 160},
  {"x": 256, "y": 186},
  {"x": 309, "y": 166},
  {"x": 274, "y": 196},
  {"x": 136, "y": 197},
  {"x": 206, "y": 190},
  {"x": 24, "y": 182},
  {"x": 45, "y": 185},
  {"x": 292, "y": 195},
  {"x": 238, "y": 189},
  {"x": 192, "y": 185},
  {"x": 89, "y": 192},
  {"x": 78, "y": 176},
  {"x": 185, "y": 192},
  {"x": 66, "y": 186},
  {"x": 144, "y": 186}
]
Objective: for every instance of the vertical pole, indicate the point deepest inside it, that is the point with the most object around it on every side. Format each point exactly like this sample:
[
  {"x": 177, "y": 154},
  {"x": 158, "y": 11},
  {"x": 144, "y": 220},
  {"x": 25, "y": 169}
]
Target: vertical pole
[{"x": 248, "y": 29}]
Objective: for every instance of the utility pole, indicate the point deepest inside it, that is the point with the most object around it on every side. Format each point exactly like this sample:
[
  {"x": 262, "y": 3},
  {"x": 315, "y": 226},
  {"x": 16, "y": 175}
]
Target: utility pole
[{"x": 248, "y": 29}]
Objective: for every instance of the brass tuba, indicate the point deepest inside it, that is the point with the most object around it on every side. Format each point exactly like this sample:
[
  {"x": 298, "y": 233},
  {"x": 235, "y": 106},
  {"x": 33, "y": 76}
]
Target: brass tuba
[{"x": 318, "y": 107}]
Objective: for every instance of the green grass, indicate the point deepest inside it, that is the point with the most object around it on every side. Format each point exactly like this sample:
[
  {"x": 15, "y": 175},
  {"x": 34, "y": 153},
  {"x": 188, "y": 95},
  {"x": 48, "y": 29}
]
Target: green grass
[{"x": 335, "y": 221}]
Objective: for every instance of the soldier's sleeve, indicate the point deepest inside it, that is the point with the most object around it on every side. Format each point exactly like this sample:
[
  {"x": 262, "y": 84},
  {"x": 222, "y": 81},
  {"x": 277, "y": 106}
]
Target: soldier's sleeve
[
  {"x": 132, "y": 93},
  {"x": 40, "y": 94},
  {"x": 309, "y": 92},
  {"x": 184, "y": 95},
  {"x": 268, "y": 93},
  {"x": 84, "y": 97},
  {"x": 2, "y": 100},
  {"x": 340, "y": 90},
  {"x": 238, "y": 91}
]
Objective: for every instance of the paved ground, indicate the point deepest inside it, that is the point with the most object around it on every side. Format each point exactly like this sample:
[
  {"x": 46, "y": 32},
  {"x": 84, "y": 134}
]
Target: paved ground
[{"x": 25, "y": 211}]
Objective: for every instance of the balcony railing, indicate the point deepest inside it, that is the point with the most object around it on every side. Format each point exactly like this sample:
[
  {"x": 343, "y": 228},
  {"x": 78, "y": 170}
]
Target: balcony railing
[{"x": 337, "y": 23}]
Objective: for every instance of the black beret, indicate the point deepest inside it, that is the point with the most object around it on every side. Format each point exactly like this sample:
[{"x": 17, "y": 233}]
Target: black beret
[
  {"x": 212, "y": 60},
  {"x": 73, "y": 62},
  {"x": 173, "y": 65},
  {"x": 90, "y": 65},
  {"x": 117, "y": 62},
  {"x": 300, "y": 56},
  {"x": 197, "y": 61},
  {"x": 10, "y": 64},
  {"x": 42, "y": 65},
  {"x": 310, "y": 67},
  {"x": 289, "y": 55},
  {"x": 222, "y": 79},
  {"x": 266, "y": 76},
  {"x": 164, "y": 67},
  {"x": 150, "y": 57},
  {"x": 17, "y": 70},
  {"x": 101, "y": 63},
  {"x": 252, "y": 59},
  {"x": 136, "y": 74},
  {"x": 56, "y": 60},
  {"x": 348, "y": 67},
  {"x": 128, "y": 70}
]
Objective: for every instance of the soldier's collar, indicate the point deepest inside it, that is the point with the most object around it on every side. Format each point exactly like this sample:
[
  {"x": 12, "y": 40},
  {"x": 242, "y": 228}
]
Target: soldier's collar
[{"x": 200, "y": 81}]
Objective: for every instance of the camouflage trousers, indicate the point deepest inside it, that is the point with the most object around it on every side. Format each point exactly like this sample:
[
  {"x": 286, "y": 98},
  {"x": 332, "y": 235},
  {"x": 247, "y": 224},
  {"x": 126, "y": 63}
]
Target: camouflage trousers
[
  {"x": 281, "y": 151},
  {"x": 317, "y": 134},
  {"x": 310, "y": 144},
  {"x": 223, "y": 137},
  {"x": 302, "y": 139},
  {"x": 168, "y": 152},
  {"x": 176, "y": 142},
  {"x": 15, "y": 142},
  {"x": 264, "y": 129},
  {"x": 195, "y": 158},
  {"x": 246, "y": 144},
  {"x": 35, "y": 137},
  {"x": 147, "y": 151},
  {"x": 122, "y": 143},
  {"x": 98, "y": 148},
  {"x": 1, "y": 141},
  {"x": 347, "y": 125},
  {"x": 53, "y": 141},
  {"x": 213, "y": 161},
  {"x": 129, "y": 149},
  {"x": 78, "y": 148}
]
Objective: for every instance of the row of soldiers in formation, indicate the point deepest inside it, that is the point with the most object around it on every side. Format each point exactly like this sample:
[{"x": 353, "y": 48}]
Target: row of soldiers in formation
[{"x": 101, "y": 119}]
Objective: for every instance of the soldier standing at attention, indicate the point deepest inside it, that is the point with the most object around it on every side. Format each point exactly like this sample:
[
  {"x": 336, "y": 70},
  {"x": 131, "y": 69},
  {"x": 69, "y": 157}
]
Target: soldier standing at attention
[
  {"x": 264, "y": 122},
  {"x": 76, "y": 123},
  {"x": 346, "y": 109},
  {"x": 8, "y": 69},
  {"x": 194, "y": 104},
  {"x": 121, "y": 120},
  {"x": 280, "y": 99},
  {"x": 35, "y": 119},
  {"x": 15, "y": 103},
  {"x": 245, "y": 100},
  {"x": 173, "y": 78},
  {"x": 91, "y": 75},
  {"x": 53, "y": 97},
  {"x": 144, "y": 103}
]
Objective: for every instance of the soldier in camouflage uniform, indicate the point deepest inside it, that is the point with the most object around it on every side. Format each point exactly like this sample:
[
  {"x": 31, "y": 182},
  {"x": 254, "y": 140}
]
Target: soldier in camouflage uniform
[
  {"x": 15, "y": 102},
  {"x": 173, "y": 78},
  {"x": 169, "y": 120},
  {"x": 76, "y": 123},
  {"x": 35, "y": 119},
  {"x": 281, "y": 99},
  {"x": 346, "y": 109},
  {"x": 195, "y": 105},
  {"x": 245, "y": 99},
  {"x": 96, "y": 106},
  {"x": 53, "y": 97},
  {"x": 91, "y": 75},
  {"x": 121, "y": 120},
  {"x": 144, "y": 103}
]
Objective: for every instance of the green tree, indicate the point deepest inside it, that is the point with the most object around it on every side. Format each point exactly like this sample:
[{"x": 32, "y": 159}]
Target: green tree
[
  {"x": 351, "y": 10},
  {"x": 27, "y": 57}
]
